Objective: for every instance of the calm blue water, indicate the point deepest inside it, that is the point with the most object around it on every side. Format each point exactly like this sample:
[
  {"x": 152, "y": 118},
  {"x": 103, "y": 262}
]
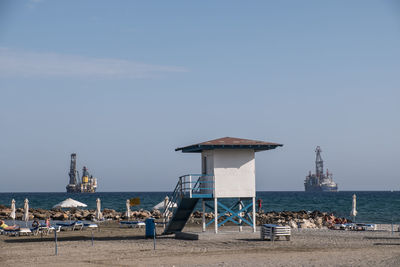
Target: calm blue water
[{"x": 374, "y": 206}]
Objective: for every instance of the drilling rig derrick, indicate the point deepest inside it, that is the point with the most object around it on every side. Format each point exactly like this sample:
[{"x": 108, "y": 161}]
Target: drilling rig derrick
[
  {"x": 319, "y": 182},
  {"x": 88, "y": 184}
]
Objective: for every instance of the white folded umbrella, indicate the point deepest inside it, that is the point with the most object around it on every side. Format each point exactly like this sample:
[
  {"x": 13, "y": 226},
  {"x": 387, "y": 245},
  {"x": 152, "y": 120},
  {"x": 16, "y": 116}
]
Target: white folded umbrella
[
  {"x": 128, "y": 209},
  {"x": 26, "y": 211},
  {"x": 99, "y": 216},
  {"x": 12, "y": 215},
  {"x": 354, "y": 210}
]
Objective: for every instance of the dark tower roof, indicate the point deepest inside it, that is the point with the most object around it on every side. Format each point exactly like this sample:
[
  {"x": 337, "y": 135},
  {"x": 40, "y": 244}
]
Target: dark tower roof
[{"x": 229, "y": 143}]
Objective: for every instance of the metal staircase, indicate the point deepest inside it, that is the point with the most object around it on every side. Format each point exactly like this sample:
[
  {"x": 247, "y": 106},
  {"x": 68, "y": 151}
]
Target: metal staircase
[{"x": 189, "y": 189}]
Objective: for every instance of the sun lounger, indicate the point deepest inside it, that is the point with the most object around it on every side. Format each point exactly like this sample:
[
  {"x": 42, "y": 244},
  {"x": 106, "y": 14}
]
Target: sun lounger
[
  {"x": 273, "y": 231},
  {"x": 367, "y": 226},
  {"x": 74, "y": 225},
  {"x": 341, "y": 226},
  {"x": 45, "y": 230},
  {"x": 356, "y": 226},
  {"x": 11, "y": 232},
  {"x": 54, "y": 228},
  {"x": 34, "y": 230},
  {"x": 132, "y": 224},
  {"x": 91, "y": 226}
]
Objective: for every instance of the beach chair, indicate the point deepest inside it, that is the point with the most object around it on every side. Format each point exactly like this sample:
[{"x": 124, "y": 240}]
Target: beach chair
[
  {"x": 16, "y": 232},
  {"x": 273, "y": 231},
  {"x": 64, "y": 226},
  {"x": 48, "y": 230},
  {"x": 45, "y": 230},
  {"x": 74, "y": 225},
  {"x": 340, "y": 226},
  {"x": 55, "y": 228},
  {"x": 35, "y": 230},
  {"x": 78, "y": 225},
  {"x": 132, "y": 224},
  {"x": 91, "y": 226},
  {"x": 10, "y": 232},
  {"x": 366, "y": 226}
]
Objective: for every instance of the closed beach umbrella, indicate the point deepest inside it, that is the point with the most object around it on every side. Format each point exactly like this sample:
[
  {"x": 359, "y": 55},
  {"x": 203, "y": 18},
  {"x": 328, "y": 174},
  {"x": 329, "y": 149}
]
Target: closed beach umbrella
[
  {"x": 99, "y": 216},
  {"x": 128, "y": 209},
  {"x": 26, "y": 212},
  {"x": 12, "y": 215},
  {"x": 354, "y": 211},
  {"x": 70, "y": 203}
]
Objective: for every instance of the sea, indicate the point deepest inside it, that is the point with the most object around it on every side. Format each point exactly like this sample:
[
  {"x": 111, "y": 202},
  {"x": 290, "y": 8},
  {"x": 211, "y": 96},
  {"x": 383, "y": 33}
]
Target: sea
[{"x": 372, "y": 206}]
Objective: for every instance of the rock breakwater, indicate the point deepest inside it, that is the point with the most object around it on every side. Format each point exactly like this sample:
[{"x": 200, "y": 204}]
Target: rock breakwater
[{"x": 295, "y": 219}]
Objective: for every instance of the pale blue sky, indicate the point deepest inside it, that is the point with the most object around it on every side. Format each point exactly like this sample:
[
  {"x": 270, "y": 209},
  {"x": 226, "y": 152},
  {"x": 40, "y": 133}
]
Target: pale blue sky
[{"x": 123, "y": 83}]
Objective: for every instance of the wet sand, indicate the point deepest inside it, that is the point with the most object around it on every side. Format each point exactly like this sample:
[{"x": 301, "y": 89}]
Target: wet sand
[{"x": 114, "y": 246}]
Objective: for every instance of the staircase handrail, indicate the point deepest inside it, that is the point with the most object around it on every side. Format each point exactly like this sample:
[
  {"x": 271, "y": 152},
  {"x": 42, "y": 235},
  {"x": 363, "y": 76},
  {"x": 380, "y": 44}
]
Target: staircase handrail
[
  {"x": 183, "y": 187},
  {"x": 172, "y": 200}
]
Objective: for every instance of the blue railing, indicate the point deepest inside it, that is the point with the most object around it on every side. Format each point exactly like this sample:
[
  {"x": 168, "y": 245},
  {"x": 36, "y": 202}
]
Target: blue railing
[
  {"x": 196, "y": 185},
  {"x": 190, "y": 186}
]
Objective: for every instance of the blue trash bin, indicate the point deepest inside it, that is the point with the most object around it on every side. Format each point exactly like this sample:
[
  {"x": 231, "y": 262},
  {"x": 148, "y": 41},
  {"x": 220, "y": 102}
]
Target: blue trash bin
[{"x": 150, "y": 227}]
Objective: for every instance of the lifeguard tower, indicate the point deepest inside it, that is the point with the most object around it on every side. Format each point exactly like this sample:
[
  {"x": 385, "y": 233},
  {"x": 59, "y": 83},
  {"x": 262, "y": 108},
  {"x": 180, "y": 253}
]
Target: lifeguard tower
[{"x": 228, "y": 172}]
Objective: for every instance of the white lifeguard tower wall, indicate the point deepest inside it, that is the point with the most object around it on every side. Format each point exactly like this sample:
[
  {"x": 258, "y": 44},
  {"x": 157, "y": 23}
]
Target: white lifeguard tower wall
[{"x": 233, "y": 171}]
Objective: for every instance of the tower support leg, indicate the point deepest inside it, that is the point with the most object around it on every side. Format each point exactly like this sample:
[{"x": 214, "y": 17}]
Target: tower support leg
[
  {"x": 254, "y": 214},
  {"x": 216, "y": 215},
  {"x": 203, "y": 217}
]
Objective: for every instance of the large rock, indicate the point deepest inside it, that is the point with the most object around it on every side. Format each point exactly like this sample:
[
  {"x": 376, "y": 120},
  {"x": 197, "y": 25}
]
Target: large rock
[
  {"x": 293, "y": 224},
  {"x": 41, "y": 216},
  {"x": 197, "y": 214},
  {"x": 156, "y": 214},
  {"x": 90, "y": 217},
  {"x": 60, "y": 216},
  {"x": 307, "y": 224},
  {"x": 110, "y": 214},
  {"x": 318, "y": 222},
  {"x": 141, "y": 214}
]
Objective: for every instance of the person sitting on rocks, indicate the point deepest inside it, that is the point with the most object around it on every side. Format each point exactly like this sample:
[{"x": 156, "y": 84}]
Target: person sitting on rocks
[{"x": 8, "y": 228}]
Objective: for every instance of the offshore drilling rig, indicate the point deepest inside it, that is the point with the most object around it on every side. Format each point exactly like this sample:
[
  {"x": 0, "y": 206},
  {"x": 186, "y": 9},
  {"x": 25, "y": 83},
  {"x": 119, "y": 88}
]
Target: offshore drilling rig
[
  {"x": 88, "y": 184},
  {"x": 320, "y": 182}
]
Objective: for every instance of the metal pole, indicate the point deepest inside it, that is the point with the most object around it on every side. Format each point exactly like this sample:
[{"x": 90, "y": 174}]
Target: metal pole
[
  {"x": 55, "y": 239},
  {"x": 154, "y": 237},
  {"x": 254, "y": 214},
  {"x": 203, "y": 217},
  {"x": 190, "y": 185},
  {"x": 92, "y": 238},
  {"x": 392, "y": 223},
  {"x": 216, "y": 215}
]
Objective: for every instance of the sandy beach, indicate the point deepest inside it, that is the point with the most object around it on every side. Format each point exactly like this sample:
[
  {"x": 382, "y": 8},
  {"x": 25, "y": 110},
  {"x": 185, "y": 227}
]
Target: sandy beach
[{"x": 114, "y": 246}]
